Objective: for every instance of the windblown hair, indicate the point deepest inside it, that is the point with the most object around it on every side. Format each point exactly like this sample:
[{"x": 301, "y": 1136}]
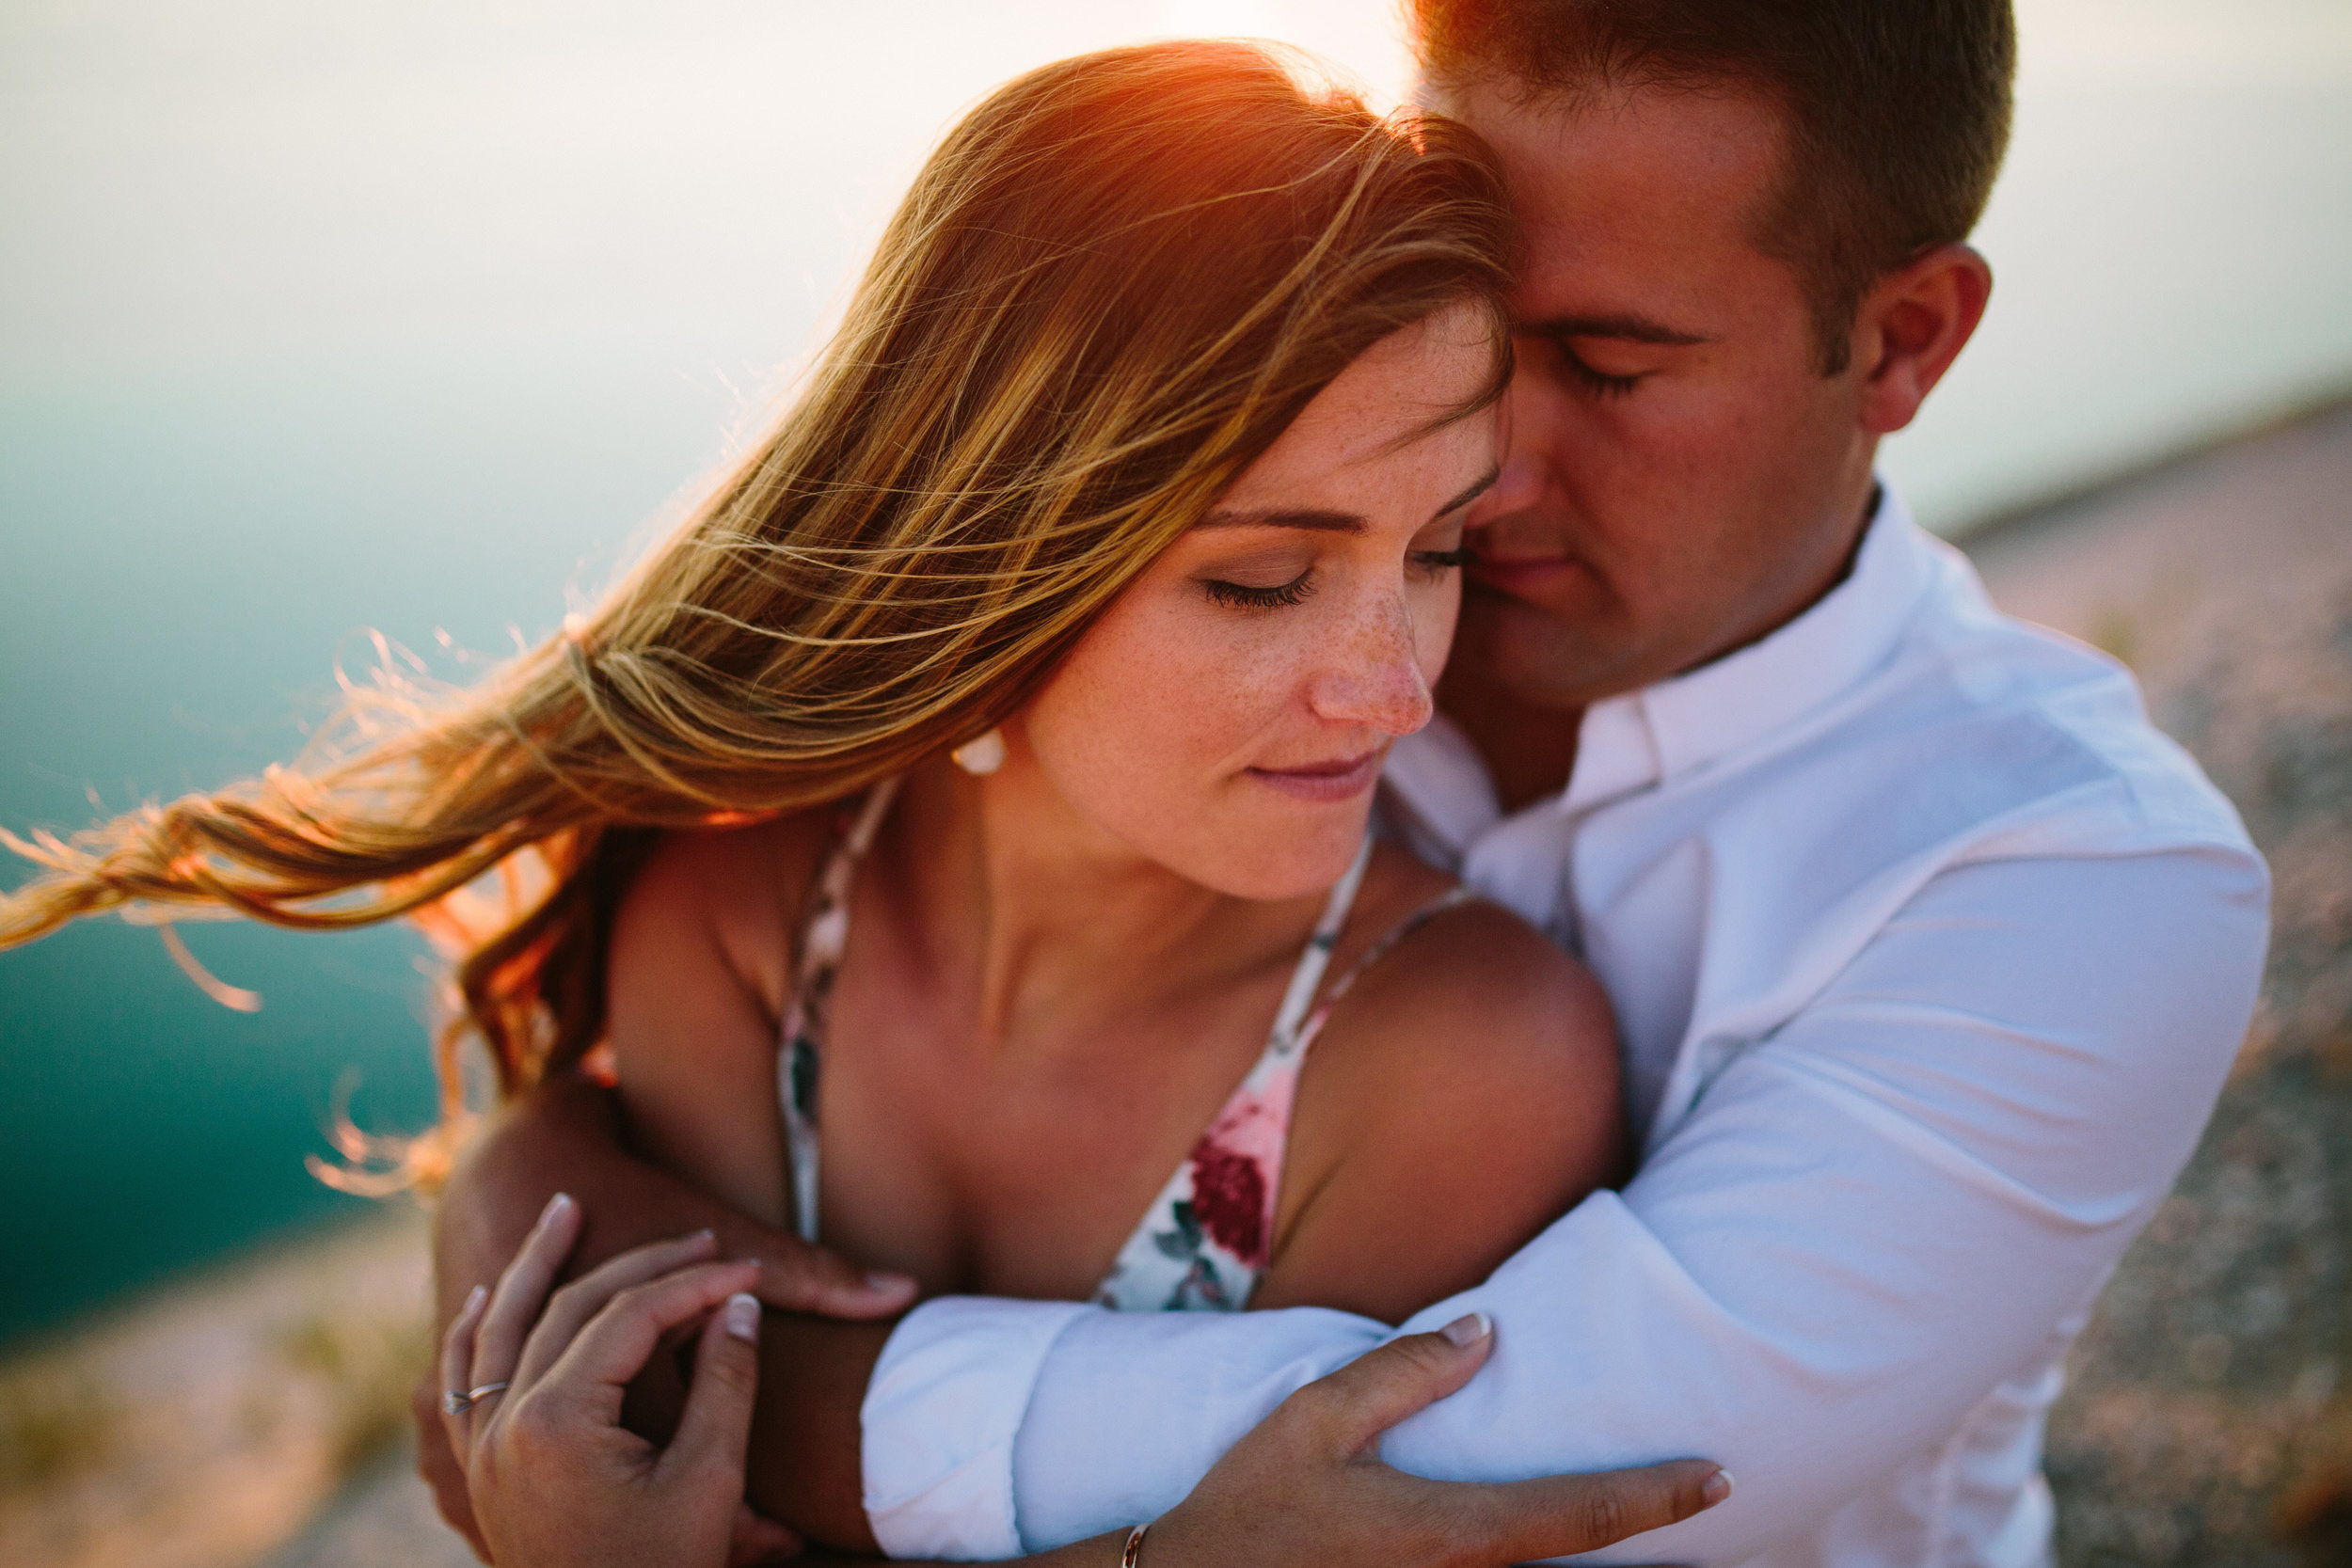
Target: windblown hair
[
  {"x": 1897, "y": 111},
  {"x": 1111, "y": 288}
]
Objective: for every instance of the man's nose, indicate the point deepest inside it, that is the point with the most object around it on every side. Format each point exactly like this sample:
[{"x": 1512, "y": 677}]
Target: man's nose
[
  {"x": 1518, "y": 484},
  {"x": 1371, "y": 673}
]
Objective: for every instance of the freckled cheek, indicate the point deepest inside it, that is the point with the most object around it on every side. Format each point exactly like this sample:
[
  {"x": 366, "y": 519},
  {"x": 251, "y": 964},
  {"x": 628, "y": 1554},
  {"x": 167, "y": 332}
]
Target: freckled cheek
[
  {"x": 1436, "y": 612},
  {"x": 1213, "y": 683},
  {"x": 1161, "y": 698}
]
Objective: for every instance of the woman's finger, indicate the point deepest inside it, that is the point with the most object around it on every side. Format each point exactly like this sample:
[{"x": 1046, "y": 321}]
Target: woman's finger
[
  {"x": 521, "y": 1290},
  {"x": 571, "y": 1307},
  {"x": 716, "y": 1429},
  {"x": 457, "y": 1368},
  {"x": 620, "y": 1339}
]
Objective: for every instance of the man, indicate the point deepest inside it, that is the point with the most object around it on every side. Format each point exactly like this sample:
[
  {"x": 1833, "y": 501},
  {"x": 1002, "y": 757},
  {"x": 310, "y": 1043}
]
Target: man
[{"x": 1930, "y": 954}]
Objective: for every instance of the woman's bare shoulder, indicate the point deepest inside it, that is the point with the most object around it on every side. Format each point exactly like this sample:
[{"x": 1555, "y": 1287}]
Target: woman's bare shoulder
[
  {"x": 1464, "y": 1093},
  {"x": 700, "y": 958},
  {"x": 1500, "y": 993},
  {"x": 737, "y": 889},
  {"x": 1477, "y": 1008}
]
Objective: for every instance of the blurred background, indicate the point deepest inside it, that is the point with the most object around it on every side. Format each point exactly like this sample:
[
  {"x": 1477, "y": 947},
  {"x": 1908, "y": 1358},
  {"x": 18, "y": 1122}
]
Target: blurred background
[{"x": 410, "y": 317}]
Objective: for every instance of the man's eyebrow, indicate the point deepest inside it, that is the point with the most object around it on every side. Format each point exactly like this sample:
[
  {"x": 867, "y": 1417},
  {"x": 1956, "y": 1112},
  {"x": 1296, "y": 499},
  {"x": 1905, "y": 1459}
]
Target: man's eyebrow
[
  {"x": 1640, "y": 329},
  {"x": 1321, "y": 522}
]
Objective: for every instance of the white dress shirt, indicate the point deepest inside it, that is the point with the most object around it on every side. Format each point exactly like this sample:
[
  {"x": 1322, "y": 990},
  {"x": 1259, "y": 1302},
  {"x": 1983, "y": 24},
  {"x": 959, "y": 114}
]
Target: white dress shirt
[{"x": 1929, "y": 956}]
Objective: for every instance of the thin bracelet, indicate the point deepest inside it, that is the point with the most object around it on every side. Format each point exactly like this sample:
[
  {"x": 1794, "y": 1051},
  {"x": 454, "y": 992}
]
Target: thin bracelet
[{"x": 1134, "y": 1548}]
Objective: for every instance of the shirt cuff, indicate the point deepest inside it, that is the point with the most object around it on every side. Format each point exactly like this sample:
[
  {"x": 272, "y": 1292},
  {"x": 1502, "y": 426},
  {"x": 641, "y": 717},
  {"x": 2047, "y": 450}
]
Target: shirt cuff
[{"x": 939, "y": 1416}]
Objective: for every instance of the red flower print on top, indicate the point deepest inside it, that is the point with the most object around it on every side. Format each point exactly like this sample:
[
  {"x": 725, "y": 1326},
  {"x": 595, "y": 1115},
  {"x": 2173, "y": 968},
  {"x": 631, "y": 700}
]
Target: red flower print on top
[{"x": 1228, "y": 1198}]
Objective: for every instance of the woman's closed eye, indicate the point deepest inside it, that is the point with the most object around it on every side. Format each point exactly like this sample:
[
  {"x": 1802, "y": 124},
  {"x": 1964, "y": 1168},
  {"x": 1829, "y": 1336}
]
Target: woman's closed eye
[
  {"x": 1277, "y": 595},
  {"x": 1245, "y": 596}
]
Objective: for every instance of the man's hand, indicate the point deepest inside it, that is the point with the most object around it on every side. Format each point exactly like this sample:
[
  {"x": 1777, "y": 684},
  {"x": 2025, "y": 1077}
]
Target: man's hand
[
  {"x": 565, "y": 1136},
  {"x": 1307, "y": 1486}
]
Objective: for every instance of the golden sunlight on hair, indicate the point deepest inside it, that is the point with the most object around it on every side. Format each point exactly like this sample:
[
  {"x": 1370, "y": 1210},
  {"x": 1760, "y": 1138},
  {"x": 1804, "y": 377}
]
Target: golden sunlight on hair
[{"x": 1110, "y": 289}]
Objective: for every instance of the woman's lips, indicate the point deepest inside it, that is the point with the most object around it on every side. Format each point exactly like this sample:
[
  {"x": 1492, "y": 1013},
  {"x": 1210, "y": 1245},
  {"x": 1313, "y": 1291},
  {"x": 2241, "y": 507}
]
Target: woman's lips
[{"x": 1325, "y": 781}]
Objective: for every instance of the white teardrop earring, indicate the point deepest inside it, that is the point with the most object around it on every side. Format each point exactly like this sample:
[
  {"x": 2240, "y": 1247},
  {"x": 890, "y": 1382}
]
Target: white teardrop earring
[{"x": 982, "y": 756}]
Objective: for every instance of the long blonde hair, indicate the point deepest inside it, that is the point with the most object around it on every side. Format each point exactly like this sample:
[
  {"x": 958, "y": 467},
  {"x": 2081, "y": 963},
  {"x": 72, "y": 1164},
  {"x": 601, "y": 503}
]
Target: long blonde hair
[{"x": 1110, "y": 289}]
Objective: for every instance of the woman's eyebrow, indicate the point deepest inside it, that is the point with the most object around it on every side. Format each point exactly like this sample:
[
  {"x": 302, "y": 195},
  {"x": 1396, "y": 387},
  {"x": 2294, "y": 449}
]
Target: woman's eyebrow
[
  {"x": 1306, "y": 517},
  {"x": 1321, "y": 521}
]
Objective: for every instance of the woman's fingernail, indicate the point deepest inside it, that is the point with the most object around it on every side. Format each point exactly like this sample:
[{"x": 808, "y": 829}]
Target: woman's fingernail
[
  {"x": 1468, "y": 1331},
  {"x": 473, "y": 1299},
  {"x": 556, "y": 1205},
  {"x": 705, "y": 1234},
  {"x": 893, "y": 1284},
  {"x": 744, "y": 1317},
  {"x": 1718, "y": 1487}
]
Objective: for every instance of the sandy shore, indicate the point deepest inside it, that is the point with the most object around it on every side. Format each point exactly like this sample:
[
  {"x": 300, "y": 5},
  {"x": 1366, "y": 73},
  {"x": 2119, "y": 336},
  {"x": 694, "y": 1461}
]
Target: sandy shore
[
  {"x": 254, "y": 1416},
  {"x": 206, "y": 1425}
]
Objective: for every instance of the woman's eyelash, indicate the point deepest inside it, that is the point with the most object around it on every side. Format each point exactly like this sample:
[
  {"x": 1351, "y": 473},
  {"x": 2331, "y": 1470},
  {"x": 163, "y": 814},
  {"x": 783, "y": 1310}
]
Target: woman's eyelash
[{"x": 1240, "y": 595}]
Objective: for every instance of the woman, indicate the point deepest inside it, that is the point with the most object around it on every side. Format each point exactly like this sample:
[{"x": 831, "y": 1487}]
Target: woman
[{"x": 1002, "y": 738}]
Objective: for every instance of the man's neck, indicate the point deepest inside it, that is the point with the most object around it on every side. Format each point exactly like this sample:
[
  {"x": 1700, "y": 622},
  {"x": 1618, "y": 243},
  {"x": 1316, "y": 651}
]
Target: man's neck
[
  {"x": 1529, "y": 751},
  {"x": 1529, "y": 747}
]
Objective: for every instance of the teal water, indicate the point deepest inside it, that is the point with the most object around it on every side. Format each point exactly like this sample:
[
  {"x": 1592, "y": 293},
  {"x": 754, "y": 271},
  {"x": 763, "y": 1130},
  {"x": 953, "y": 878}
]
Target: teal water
[
  {"x": 176, "y": 574},
  {"x": 409, "y": 316}
]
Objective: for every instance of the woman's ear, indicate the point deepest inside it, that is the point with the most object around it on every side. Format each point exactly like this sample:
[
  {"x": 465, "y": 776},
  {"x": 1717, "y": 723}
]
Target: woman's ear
[{"x": 1912, "y": 327}]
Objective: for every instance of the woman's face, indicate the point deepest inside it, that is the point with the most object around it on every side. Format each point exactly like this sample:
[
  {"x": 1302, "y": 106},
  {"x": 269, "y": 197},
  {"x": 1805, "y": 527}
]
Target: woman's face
[{"x": 1228, "y": 715}]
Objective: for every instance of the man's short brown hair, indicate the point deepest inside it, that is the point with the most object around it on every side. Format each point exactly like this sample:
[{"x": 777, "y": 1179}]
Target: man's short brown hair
[{"x": 1897, "y": 110}]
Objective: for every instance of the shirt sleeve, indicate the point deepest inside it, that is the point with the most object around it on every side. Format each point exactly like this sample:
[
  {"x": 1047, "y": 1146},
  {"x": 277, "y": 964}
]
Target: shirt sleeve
[{"x": 1871, "y": 1217}]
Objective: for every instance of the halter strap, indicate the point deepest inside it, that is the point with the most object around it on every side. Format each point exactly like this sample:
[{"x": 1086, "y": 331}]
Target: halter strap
[
  {"x": 824, "y": 936},
  {"x": 1308, "y": 977},
  {"x": 1452, "y": 898}
]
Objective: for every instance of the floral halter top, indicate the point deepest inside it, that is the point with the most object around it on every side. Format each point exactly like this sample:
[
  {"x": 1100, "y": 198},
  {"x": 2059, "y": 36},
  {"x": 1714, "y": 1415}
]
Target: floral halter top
[{"x": 1203, "y": 1244}]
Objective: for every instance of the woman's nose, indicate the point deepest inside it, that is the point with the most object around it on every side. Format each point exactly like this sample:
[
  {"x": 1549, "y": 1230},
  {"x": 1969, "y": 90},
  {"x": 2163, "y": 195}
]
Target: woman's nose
[{"x": 1371, "y": 673}]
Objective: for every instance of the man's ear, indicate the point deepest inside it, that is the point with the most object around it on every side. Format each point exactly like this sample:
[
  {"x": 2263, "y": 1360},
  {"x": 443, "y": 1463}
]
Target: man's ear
[{"x": 1911, "y": 329}]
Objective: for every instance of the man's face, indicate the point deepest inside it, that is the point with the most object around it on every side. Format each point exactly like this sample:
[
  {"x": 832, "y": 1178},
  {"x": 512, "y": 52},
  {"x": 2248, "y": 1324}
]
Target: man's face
[{"x": 1681, "y": 478}]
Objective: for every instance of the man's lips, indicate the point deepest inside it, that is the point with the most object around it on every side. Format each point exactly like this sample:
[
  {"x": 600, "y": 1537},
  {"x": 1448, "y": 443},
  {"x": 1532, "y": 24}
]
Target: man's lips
[
  {"x": 1341, "y": 778},
  {"x": 1526, "y": 576}
]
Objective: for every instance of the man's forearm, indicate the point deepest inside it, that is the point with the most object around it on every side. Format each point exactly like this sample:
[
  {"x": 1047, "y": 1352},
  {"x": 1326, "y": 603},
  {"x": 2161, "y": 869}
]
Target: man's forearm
[
  {"x": 806, "y": 1466},
  {"x": 566, "y": 1137}
]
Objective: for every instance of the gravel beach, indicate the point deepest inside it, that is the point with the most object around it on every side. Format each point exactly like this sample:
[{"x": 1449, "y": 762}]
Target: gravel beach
[{"x": 2209, "y": 1416}]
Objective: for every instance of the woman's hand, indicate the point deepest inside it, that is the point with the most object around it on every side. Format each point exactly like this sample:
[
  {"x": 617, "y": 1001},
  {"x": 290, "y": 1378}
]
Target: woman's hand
[
  {"x": 556, "y": 1481},
  {"x": 566, "y": 1135}
]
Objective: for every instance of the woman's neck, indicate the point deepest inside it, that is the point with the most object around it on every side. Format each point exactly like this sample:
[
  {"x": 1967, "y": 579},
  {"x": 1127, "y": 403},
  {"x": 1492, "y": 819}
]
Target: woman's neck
[{"x": 1048, "y": 921}]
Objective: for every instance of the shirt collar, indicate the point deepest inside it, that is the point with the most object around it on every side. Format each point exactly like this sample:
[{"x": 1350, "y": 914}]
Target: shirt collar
[
  {"x": 1693, "y": 719},
  {"x": 1644, "y": 738}
]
